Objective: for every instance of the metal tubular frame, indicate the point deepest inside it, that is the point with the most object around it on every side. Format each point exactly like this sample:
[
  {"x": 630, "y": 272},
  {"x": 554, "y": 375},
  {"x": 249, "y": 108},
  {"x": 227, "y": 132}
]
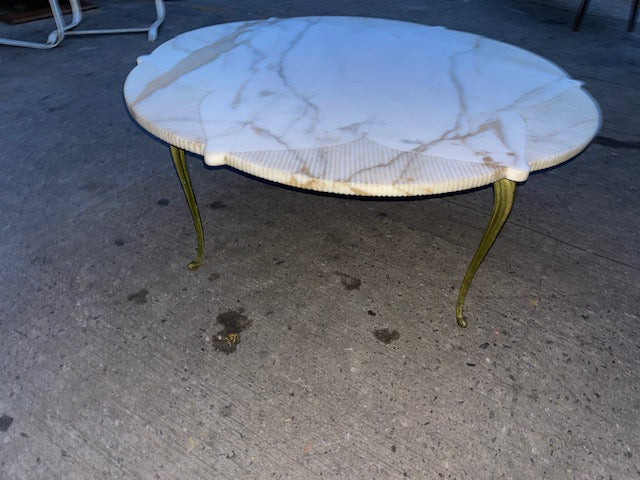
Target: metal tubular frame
[
  {"x": 51, "y": 42},
  {"x": 62, "y": 29},
  {"x": 152, "y": 30}
]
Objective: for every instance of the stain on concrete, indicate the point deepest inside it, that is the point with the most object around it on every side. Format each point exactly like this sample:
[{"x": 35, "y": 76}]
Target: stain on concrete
[
  {"x": 139, "y": 298},
  {"x": 371, "y": 312},
  {"x": 5, "y": 422},
  {"x": 96, "y": 187},
  {"x": 234, "y": 322},
  {"x": 213, "y": 277},
  {"x": 348, "y": 282},
  {"x": 385, "y": 335},
  {"x": 163, "y": 202},
  {"x": 226, "y": 410},
  {"x": 553, "y": 21},
  {"x": 217, "y": 204},
  {"x": 119, "y": 242}
]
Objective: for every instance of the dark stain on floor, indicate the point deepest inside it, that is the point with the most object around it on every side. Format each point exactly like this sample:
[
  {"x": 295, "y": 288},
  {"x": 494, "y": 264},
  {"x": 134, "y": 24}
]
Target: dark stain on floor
[
  {"x": 234, "y": 322},
  {"x": 385, "y": 335},
  {"x": 553, "y": 21},
  {"x": 226, "y": 410},
  {"x": 348, "y": 282},
  {"x": 139, "y": 298},
  {"x": 5, "y": 422},
  {"x": 119, "y": 242},
  {"x": 163, "y": 202},
  {"x": 213, "y": 277},
  {"x": 216, "y": 204},
  {"x": 93, "y": 187}
]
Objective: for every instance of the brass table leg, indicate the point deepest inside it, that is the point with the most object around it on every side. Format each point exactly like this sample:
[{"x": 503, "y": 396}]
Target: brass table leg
[
  {"x": 580, "y": 15},
  {"x": 504, "y": 195},
  {"x": 504, "y": 192},
  {"x": 180, "y": 162}
]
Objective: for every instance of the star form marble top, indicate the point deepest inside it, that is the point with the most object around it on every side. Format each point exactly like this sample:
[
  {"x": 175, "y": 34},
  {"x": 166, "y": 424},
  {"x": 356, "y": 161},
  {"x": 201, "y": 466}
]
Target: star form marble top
[{"x": 361, "y": 106}]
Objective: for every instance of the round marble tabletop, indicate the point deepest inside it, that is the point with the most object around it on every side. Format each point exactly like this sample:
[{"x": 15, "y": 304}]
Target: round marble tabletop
[{"x": 361, "y": 106}]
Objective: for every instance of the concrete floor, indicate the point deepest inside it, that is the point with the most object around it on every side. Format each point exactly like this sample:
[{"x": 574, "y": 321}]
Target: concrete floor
[{"x": 107, "y": 368}]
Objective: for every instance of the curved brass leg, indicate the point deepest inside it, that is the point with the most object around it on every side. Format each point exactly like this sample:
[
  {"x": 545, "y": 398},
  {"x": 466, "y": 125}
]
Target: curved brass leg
[
  {"x": 580, "y": 15},
  {"x": 180, "y": 162},
  {"x": 504, "y": 192}
]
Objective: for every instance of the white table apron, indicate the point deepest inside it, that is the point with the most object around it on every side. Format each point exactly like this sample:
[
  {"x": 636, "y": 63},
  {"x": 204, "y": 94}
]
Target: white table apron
[{"x": 362, "y": 106}]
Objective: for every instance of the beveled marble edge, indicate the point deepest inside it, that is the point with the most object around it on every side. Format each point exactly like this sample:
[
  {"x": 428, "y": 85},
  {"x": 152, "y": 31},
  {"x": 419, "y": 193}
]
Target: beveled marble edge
[
  {"x": 540, "y": 155},
  {"x": 476, "y": 175}
]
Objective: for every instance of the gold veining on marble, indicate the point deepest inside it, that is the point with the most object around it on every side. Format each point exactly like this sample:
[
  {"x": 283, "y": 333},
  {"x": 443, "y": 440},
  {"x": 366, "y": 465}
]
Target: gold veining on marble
[{"x": 361, "y": 106}]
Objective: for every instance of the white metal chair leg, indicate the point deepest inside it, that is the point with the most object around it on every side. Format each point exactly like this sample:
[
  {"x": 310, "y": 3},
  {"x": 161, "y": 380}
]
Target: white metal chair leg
[
  {"x": 63, "y": 29},
  {"x": 152, "y": 30},
  {"x": 76, "y": 18},
  {"x": 76, "y": 14},
  {"x": 160, "y": 14},
  {"x": 54, "y": 38}
]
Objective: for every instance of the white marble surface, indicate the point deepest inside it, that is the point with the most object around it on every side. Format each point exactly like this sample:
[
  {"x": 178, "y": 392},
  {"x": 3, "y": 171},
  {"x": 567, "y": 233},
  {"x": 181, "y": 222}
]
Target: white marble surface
[{"x": 361, "y": 105}]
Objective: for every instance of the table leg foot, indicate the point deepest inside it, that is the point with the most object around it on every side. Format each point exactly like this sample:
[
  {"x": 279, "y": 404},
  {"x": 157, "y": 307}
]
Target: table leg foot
[
  {"x": 504, "y": 192},
  {"x": 180, "y": 162}
]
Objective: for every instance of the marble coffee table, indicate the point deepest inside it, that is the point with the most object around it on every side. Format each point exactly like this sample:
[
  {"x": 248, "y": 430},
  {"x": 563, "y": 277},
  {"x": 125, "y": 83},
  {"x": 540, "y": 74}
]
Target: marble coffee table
[{"x": 361, "y": 106}]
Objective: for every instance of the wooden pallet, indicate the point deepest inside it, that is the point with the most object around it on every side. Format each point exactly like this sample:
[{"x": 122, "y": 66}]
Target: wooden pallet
[{"x": 22, "y": 11}]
